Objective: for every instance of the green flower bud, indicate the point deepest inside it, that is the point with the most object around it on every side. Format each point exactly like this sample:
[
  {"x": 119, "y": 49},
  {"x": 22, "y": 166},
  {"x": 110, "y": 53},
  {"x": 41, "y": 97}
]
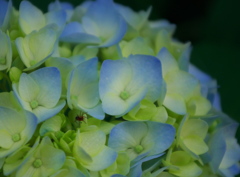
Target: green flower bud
[{"x": 15, "y": 74}]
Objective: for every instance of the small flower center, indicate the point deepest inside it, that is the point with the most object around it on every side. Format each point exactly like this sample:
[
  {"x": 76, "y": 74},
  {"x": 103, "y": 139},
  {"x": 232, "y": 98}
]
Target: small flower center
[
  {"x": 138, "y": 149},
  {"x": 2, "y": 61},
  {"x": 37, "y": 163},
  {"x": 34, "y": 104},
  {"x": 124, "y": 95},
  {"x": 16, "y": 137}
]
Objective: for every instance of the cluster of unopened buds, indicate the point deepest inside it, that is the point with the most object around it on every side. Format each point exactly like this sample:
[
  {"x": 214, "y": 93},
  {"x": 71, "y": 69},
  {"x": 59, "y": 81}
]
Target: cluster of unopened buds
[{"x": 101, "y": 91}]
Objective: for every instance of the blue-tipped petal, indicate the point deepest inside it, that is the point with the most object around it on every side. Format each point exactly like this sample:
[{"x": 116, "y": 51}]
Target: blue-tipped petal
[
  {"x": 30, "y": 128},
  {"x": 114, "y": 77},
  {"x": 83, "y": 89},
  {"x": 65, "y": 66},
  {"x": 137, "y": 77},
  {"x": 74, "y": 33},
  {"x": 43, "y": 113},
  {"x": 28, "y": 88},
  {"x": 57, "y": 17},
  {"x": 59, "y": 5},
  {"x": 72, "y": 28},
  {"x": 168, "y": 62},
  {"x": 83, "y": 74},
  {"x": 103, "y": 160},
  {"x": 160, "y": 135},
  {"x": 111, "y": 26},
  {"x": 96, "y": 112},
  {"x": 232, "y": 155},
  {"x": 117, "y": 175},
  {"x": 217, "y": 149},
  {"x": 28, "y": 47},
  {"x": 5, "y": 12},
  {"x": 30, "y": 17},
  {"x": 49, "y": 82},
  {"x": 126, "y": 135},
  {"x": 147, "y": 71}
]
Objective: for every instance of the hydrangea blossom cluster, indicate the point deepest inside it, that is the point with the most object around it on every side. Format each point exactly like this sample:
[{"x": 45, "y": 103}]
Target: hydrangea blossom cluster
[{"x": 102, "y": 91}]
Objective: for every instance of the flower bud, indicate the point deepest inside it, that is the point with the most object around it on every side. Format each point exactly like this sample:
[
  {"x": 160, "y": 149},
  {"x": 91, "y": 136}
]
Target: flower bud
[{"x": 14, "y": 74}]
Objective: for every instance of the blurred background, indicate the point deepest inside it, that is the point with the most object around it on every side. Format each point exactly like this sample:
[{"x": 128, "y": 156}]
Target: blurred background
[{"x": 212, "y": 26}]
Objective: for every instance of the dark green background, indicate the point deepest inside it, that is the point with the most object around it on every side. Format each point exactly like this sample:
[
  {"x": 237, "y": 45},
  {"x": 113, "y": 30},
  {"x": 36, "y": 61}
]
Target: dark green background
[{"x": 213, "y": 27}]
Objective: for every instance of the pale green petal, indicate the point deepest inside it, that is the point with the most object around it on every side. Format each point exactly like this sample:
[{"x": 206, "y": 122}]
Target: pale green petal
[
  {"x": 86, "y": 51},
  {"x": 198, "y": 106},
  {"x": 136, "y": 46},
  {"x": 92, "y": 142},
  {"x": 28, "y": 88},
  {"x": 161, "y": 115},
  {"x": 52, "y": 158},
  {"x": 175, "y": 102},
  {"x": 5, "y": 52},
  {"x": 182, "y": 83},
  {"x": 89, "y": 96},
  {"x": 168, "y": 62},
  {"x": 9, "y": 100},
  {"x": 11, "y": 121},
  {"x": 81, "y": 155},
  {"x": 30, "y": 17},
  {"x": 28, "y": 47},
  {"x": 45, "y": 39},
  {"x": 163, "y": 39},
  {"x": 190, "y": 170},
  {"x": 13, "y": 161},
  {"x": 69, "y": 172},
  {"x": 120, "y": 166},
  {"x": 6, "y": 140},
  {"x": 195, "y": 144},
  {"x": 135, "y": 19},
  {"x": 194, "y": 127},
  {"x": 165, "y": 174},
  {"x": 51, "y": 125}
]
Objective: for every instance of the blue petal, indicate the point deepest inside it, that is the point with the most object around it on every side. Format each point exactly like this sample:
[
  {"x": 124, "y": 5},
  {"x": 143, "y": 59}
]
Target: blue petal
[
  {"x": 5, "y": 12},
  {"x": 103, "y": 160},
  {"x": 217, "y": 149},
  {"x": 65, "y": 66},
  {"x": 117, "y": 175},
  {"x": 83, "y": 84},
  {"x": 83, "y": 75},
  {"x": 30, "y": 128},
  {"x": 140, "y": 76},
  {"x": 114, "y": 77},
  {"x": 57, "y": 17},
  {"x": 126, "y": 135},
  {"x": 43, "y": 113},
  {"x": 111, "y": 26},
  {"x": 49, "y": 82},
  {"x": 74, "y": 33},
  {"x": 96, "y": 112},
  {"x": 147, "y": 71},
  {"x": 72, "y": 28},
  {"x": 160, "y": 135},
  {"x": 59, "y": 5}
]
